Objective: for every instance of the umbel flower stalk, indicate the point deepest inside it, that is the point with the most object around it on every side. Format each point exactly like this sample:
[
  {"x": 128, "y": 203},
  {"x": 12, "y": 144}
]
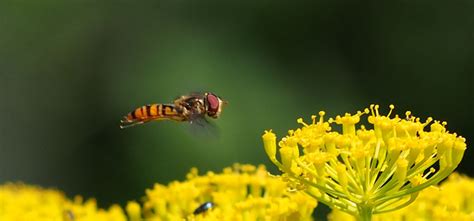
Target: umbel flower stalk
[
  {"x": 366, "y": 170},
  {"x": 452, "y": 200}
]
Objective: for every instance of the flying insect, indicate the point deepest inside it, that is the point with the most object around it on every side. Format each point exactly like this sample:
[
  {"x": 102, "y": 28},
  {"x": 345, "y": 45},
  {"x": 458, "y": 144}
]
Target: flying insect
[
  {"x": 187, "y": 108},
  {"x": 203, "y": 208}
]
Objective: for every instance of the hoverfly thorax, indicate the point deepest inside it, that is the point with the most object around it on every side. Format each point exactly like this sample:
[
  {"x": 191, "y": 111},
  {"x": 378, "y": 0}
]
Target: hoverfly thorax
[{"x": 213, "y": 104}]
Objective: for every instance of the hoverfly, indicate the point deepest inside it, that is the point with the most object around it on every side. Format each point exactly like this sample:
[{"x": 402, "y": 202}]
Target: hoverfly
[{"x": 190, "y": 108}]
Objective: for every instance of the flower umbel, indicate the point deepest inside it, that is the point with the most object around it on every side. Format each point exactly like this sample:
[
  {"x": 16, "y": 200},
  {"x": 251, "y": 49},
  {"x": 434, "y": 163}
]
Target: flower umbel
[
  {"x": 25, "y": 202},
  {"x": 364, "y": 171},
  {"x": 244, "y": 192}
]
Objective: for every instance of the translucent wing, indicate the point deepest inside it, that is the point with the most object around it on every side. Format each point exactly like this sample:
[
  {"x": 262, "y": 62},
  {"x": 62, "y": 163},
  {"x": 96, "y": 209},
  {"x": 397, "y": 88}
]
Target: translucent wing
[{"x": 200, "y": 125}]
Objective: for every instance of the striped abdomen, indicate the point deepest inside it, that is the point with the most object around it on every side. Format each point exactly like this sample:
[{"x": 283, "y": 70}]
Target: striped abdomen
[{"x": 151, "y": 112}]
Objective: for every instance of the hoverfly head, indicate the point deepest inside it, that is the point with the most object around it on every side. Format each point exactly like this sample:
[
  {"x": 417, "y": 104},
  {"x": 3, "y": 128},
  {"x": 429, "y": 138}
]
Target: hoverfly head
[{"x": 213, "y": 104}]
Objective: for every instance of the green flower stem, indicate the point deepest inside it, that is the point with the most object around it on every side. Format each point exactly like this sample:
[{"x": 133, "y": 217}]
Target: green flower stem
[
  {"x": 412, "y": 199},
  {"x": 434, "y": 180},
  {"x": 365, "y": 213}
]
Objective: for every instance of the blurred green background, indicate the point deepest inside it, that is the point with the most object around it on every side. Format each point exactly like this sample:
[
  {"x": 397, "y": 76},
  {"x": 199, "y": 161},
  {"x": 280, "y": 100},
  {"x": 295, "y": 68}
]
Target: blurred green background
[{"x": 70, "y": 70}]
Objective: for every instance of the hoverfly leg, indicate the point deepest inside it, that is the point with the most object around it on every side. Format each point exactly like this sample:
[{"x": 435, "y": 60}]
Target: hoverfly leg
[
  {"x": 124, "y": 120},
  {"x": 131, "y": 124}
]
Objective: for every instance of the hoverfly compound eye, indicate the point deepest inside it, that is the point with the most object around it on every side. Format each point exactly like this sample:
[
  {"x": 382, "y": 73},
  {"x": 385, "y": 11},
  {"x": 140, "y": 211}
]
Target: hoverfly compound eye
[
  {"x": 213, "y": 105},
  {"x": 213, "y": 102}
]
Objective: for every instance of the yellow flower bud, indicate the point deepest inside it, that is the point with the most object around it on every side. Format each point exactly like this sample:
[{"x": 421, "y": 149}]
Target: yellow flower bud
[
  {"x": 342, "y": 175},
  {"x": 458, "y": 150},
  {"x": 269, "y": 142},
  {"x": 133, "y": 211},
  {"x": 401, "y": 173},
  {"x": 287, "y": 157}
]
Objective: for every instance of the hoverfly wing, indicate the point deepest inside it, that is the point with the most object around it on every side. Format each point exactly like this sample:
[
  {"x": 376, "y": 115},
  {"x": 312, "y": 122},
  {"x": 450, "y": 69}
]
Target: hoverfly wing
[
  {"x": 200, "y": 125},
  {"x": 198, "y": 94}
]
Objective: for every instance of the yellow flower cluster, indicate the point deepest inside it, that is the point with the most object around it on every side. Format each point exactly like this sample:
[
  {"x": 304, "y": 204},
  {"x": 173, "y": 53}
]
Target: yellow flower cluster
[
  {"x": 20, "y": 202},
  {"x": 364, "y": 171},
  {"x": 244, "y": 192},
  {"x": 453, "y": 200}
]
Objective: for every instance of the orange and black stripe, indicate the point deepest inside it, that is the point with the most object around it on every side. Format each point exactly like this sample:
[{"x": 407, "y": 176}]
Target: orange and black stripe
[{"x": 153, "y": 111}]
